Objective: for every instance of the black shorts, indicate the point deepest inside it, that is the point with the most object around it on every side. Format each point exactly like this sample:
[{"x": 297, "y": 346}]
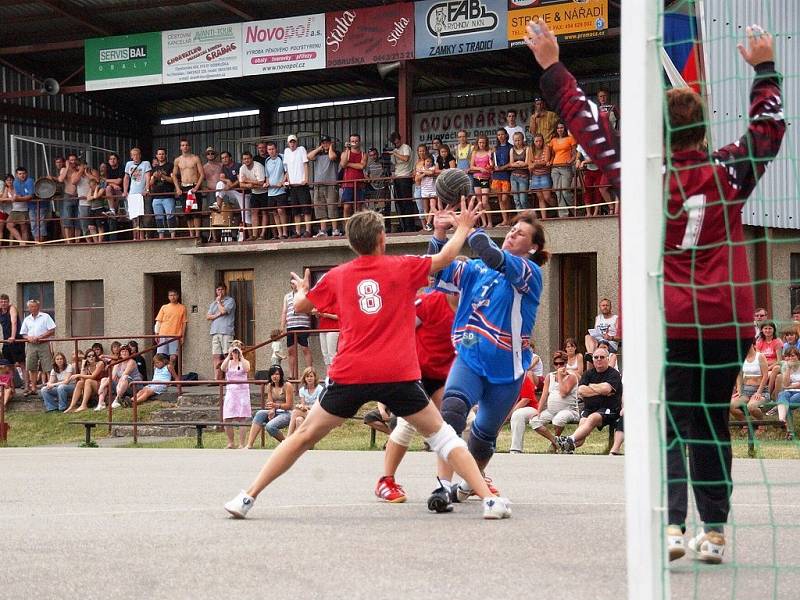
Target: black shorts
[
  {"x": 14, "y": 353},
  {"x": 259, "y": 201},
  {"x": 609, "y": 417},
  {"x": 402, "y": 398},
  {"x": 296, "y": 336},
  {"x": 300, "y": 198},
  {"x": 199, "y": 199},
  {"x": 432, "y": 385},
  {"x": 620, "y": 425},
  {"x": 483, "y": 184},
  {"x": 279, "y": 201}
]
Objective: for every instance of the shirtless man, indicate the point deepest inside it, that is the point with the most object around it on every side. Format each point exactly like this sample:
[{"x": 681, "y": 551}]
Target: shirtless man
[
  {"x": 188, "y": 173},
  {"x": 70, "y": 175}
]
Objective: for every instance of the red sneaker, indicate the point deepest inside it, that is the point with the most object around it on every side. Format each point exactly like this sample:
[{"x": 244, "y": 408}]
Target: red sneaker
[
  {"x": 388, "y": 490},
  {"x": 492, "y": 489},
  {"x": 463, "y": 491}
]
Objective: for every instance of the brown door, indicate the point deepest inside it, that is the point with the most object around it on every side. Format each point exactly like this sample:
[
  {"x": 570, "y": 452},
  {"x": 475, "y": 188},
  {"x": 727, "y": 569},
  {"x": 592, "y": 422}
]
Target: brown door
[
  {"x": 240, "y": 288},
  {"x": 578, "y": 275},
  {"x": 162, "y": 284}
]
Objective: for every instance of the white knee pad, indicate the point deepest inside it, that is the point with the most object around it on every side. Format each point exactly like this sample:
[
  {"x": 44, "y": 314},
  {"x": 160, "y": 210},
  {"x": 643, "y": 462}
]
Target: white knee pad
[
  {"x": 444, "y": 441},
  {"x": 403, "y": 433}
]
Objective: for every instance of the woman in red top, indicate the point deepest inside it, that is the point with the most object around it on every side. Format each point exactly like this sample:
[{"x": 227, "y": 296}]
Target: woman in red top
[{"x": 772, "y": 349}]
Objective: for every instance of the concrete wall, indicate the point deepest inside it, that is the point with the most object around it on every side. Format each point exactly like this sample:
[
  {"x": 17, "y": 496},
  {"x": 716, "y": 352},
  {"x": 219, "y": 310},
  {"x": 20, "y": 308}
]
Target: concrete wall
[{"x": 125, "y": 269}]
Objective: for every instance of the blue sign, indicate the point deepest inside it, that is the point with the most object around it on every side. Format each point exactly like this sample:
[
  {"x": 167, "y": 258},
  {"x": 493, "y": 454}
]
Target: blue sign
[{"x": 450, "y": 27}]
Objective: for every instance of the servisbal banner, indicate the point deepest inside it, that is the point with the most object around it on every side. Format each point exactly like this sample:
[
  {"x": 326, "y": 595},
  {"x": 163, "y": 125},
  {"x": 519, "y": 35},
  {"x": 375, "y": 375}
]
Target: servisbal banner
[{"x": 122, "y": 61}]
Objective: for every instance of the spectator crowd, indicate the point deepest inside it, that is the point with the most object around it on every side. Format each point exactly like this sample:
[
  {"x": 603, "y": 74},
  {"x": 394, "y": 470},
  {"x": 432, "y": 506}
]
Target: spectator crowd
[
  {"x": 584, "y": 389},
  {"x": 299, "y": 192}
]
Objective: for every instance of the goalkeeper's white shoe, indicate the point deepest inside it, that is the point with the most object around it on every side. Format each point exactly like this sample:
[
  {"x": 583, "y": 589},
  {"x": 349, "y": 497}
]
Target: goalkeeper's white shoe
[
  {"x": 708, "y": 547},
  {"x": 676, "y": 545}
]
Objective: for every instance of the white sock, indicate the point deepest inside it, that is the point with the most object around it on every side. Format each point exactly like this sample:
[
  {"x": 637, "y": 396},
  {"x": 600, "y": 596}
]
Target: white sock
[{"x": 446, "y": 483}]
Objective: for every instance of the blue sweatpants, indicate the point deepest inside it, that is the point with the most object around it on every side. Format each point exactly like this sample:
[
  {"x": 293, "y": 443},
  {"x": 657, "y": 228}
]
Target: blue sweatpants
[{"x": 494, "y": 400}]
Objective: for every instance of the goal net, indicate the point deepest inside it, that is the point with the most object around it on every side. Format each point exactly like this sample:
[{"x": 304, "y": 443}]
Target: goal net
[{"x": 711, "y": 254}]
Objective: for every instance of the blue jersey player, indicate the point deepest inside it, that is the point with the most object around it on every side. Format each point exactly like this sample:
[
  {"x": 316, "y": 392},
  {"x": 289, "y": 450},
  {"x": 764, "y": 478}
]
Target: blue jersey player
[{"x": 500, "y": 293}]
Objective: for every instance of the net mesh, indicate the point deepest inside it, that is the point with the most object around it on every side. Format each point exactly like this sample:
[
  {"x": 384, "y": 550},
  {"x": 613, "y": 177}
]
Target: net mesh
[{"x": 762, "y": 533}]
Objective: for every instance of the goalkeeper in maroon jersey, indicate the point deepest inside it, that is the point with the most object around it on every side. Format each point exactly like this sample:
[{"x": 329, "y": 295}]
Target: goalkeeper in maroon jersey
[{"x": 708, "y": 296}]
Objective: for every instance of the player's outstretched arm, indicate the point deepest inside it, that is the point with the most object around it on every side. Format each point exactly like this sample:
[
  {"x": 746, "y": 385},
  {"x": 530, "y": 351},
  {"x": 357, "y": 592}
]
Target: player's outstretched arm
[
  {"x": 301, "y": 303},
  {"x": 748, "y": 157},
  {"x": 464, "y": 221},
  {"x": 563, "y": 95}
]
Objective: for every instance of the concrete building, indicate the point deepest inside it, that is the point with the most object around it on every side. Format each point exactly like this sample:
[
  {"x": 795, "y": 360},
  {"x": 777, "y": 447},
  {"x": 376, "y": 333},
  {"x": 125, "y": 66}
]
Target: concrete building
[{"x": 116, "y": 289}]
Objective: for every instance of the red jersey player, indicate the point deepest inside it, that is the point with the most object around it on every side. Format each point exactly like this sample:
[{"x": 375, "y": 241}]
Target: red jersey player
[
  {"x": 374, "y": 297},
  {"x": 708, "y": 298},
  {"x": 435, "y": 312}
]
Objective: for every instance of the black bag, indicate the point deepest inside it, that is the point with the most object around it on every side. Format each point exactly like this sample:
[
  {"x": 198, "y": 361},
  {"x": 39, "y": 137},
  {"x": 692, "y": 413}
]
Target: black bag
[{"x": 191, "y": 376}]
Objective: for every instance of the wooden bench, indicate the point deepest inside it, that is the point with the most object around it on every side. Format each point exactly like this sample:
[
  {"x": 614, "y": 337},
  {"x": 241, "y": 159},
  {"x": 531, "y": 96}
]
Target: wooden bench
[{"x": 200, "y": 426}]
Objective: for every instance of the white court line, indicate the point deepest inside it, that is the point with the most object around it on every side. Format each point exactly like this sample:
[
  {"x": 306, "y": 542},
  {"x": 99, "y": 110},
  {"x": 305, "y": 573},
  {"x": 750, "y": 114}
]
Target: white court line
[{"x": 218, "y": 508}]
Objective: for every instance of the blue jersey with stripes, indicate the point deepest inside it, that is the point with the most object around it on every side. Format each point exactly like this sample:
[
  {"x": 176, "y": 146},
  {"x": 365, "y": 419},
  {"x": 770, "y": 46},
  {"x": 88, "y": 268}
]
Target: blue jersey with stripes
[{"x": 496, "y": 314}]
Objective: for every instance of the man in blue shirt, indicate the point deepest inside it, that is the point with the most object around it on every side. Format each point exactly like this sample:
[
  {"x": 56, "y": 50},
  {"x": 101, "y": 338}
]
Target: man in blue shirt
[
  {"x": 23, "y": 188},
  {"x": 501, "y": 176}
]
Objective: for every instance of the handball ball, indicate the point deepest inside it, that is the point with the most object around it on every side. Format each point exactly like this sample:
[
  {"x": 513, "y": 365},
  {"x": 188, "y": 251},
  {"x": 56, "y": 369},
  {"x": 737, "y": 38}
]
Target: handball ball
[{"x": 451, "y": 184}]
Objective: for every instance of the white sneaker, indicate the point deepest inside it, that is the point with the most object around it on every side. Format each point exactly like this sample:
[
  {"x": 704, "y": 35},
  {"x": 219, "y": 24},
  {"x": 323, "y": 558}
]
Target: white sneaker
[
  {"x": 336, "y": 233},
  {"x": 495, "y": 507},
  {"x": 116, "y": 404},
  {"x": 240, "y": 506},
  {"x": 100, "y": 407},
  {"x": 676, "y": 546},
  {"x": 708, "y": 547},
  {"x": 321, "y": 234}
]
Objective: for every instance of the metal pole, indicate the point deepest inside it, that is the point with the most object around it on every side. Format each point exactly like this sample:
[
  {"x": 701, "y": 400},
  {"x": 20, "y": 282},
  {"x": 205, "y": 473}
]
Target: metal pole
[
  {"x": 3, "y": 436},
  {"x": 135, "y": 416},
  {"x": 641, "y": 238},
  {"x": 263, "y": 407}
]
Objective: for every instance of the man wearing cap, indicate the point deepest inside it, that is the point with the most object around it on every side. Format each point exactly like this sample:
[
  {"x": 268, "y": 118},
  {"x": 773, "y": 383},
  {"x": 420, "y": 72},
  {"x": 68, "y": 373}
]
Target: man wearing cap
[
  {"x": 542, "y": 120},
  {"x": 295, "y": 160},
  {"x": 326, "y": 196}
]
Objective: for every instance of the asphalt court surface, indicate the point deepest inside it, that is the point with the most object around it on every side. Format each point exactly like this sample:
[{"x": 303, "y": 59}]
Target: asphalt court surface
[{"x": 149, "y": 523}]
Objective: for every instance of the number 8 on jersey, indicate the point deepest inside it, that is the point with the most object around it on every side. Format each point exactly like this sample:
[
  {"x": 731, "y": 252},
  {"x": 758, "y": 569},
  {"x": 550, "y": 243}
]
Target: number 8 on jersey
[{"x": 368, "y": 297}]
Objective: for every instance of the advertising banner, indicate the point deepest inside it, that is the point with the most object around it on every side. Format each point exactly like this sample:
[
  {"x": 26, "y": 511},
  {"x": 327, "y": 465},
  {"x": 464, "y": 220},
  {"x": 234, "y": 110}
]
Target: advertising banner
[
  {"x": 449, "y": 27},
  {"x": 288, "y": 44},
  {"x": 569, "y": 20},
  {"x": 445, "y": 124},
  {"x": 202, "y": 53},
  {"x": 370, "y": 35},
  {"x": 122, "y": 61}
]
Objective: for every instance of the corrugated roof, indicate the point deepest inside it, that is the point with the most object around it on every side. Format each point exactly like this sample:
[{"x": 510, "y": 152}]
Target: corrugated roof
[{"x": 27, "y": 22}]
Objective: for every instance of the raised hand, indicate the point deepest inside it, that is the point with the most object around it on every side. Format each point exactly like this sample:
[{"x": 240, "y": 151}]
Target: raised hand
[
  {"x": 759, "y": 48},
  {"x": 470, "y": 212},
  {"x": 542, "y": 43},
  {"x": 302, "y": 283},
  {"x": 443, "y": 216}
]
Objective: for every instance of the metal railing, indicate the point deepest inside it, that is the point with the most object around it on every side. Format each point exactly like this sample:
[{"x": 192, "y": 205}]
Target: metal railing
[{"x": 366, "y": 194}]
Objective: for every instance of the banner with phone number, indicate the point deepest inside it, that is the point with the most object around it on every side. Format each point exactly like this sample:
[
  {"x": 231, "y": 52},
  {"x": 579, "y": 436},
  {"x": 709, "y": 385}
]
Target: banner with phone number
[{"x": 569, "y": 20}]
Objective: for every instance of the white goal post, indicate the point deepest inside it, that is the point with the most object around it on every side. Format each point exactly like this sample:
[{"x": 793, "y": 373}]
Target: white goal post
[{"x": 641, "y": 237}]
